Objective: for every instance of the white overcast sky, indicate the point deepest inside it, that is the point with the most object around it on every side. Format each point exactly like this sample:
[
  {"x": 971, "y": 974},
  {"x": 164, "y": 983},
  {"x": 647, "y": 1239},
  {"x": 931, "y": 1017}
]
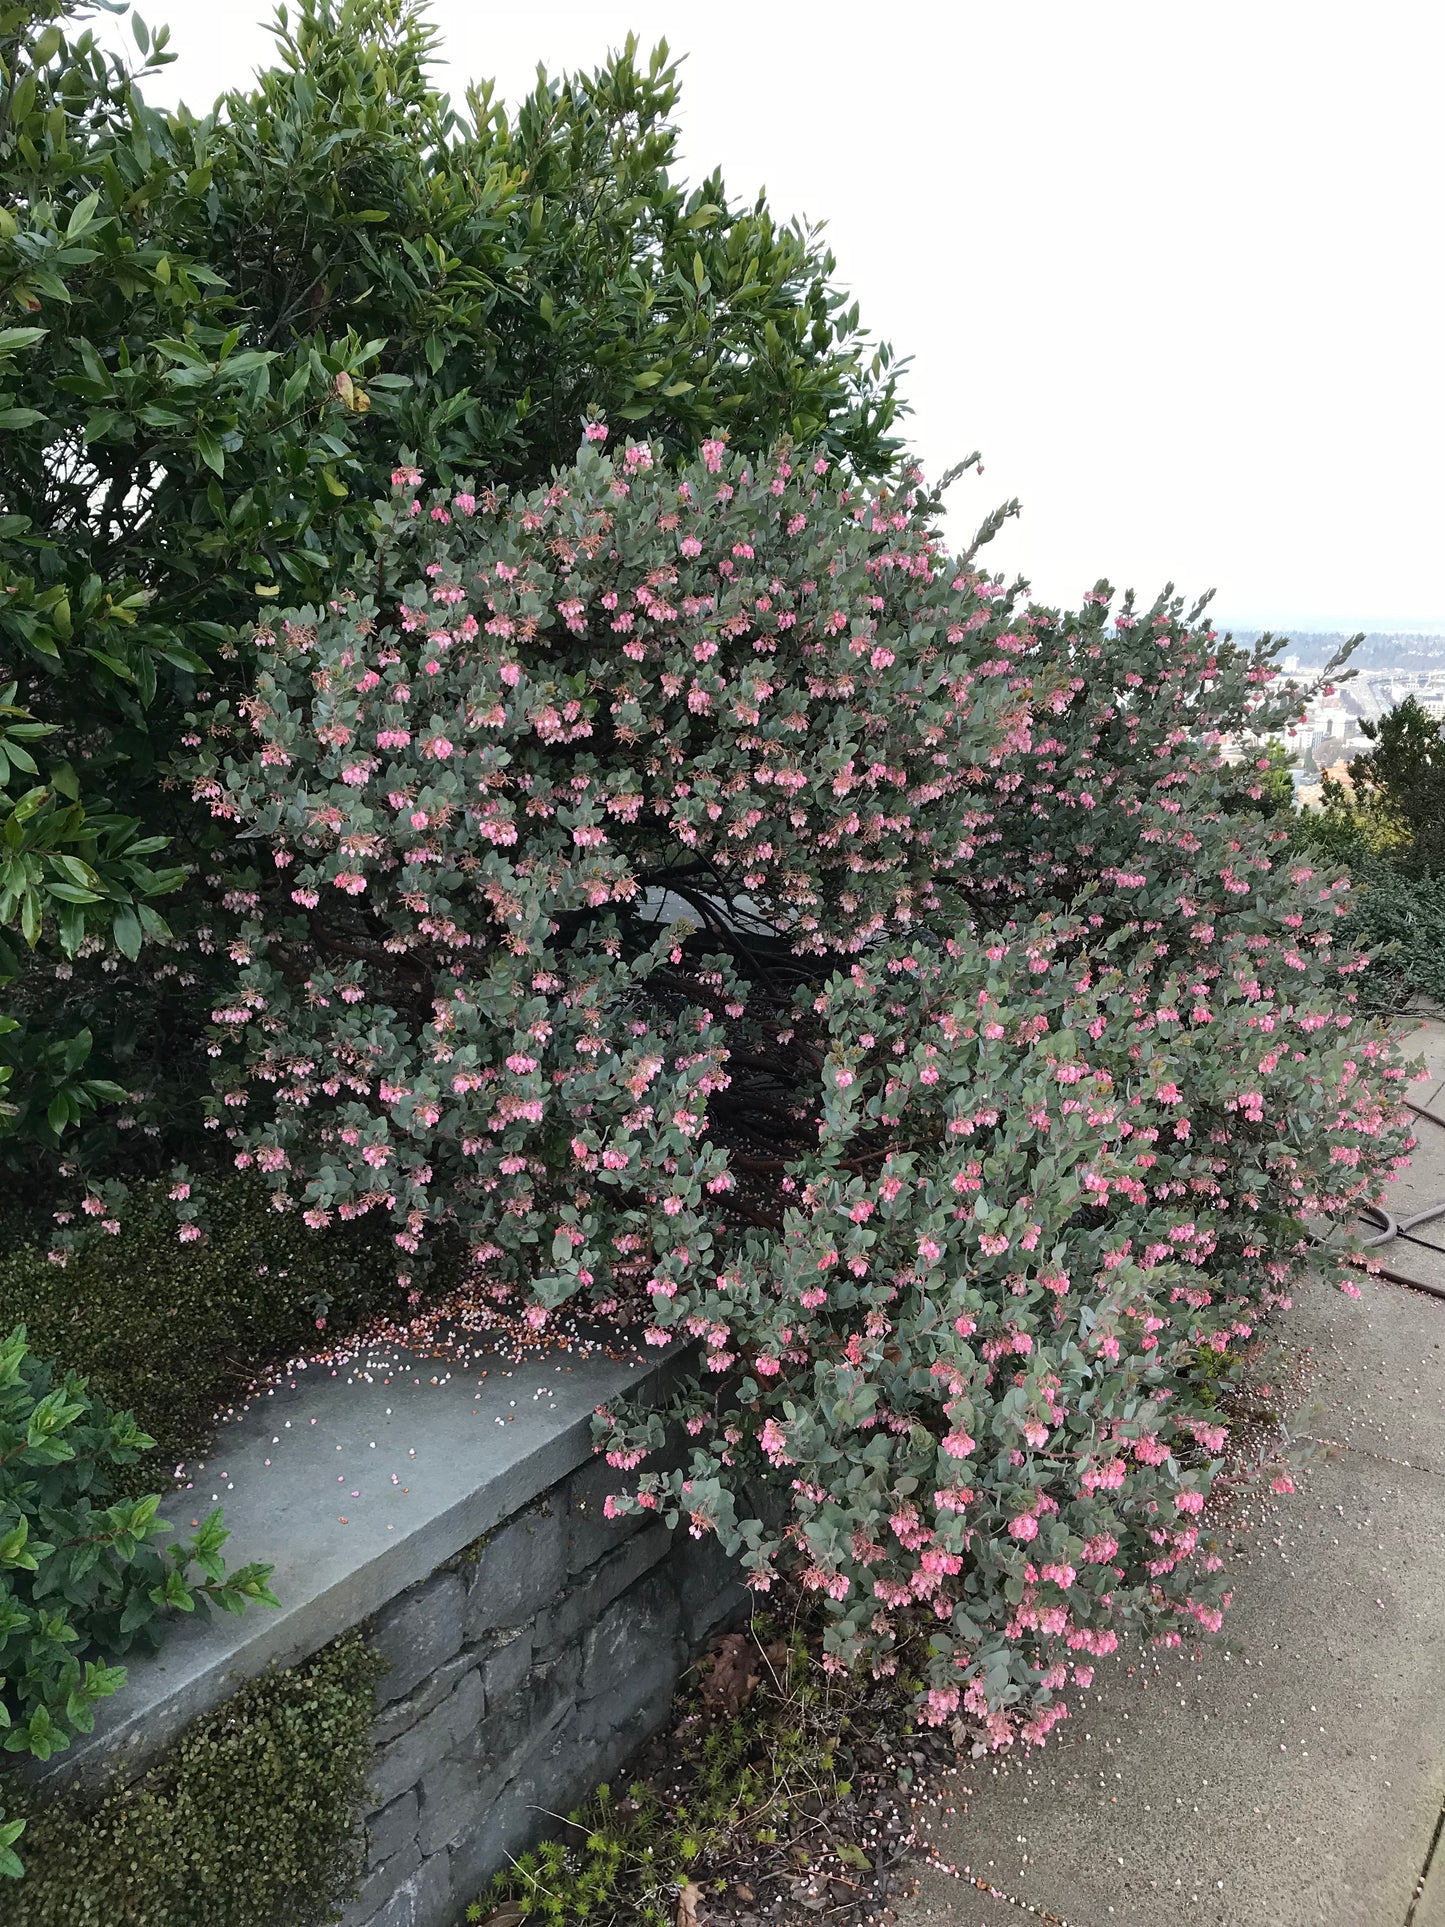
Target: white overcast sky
[{"x": 1176, "y": 269}]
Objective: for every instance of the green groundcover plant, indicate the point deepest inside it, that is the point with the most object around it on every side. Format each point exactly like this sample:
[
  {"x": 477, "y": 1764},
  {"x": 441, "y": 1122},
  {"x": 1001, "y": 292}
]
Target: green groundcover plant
[
  {"x": 82, "y": 1582},
  {"x": 999, "y": 1061},
  {"x": 759, "y": 1795},
  {"x": 249, "y": 1818}
]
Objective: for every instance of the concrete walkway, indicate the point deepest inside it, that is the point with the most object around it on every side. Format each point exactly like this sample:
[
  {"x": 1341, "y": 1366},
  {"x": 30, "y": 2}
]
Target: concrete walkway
[{"x": 1295, "y": 1776}]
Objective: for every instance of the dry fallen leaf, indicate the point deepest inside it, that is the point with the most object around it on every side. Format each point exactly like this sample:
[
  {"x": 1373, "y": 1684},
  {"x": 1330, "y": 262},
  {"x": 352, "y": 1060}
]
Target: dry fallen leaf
[
  {"x": 687, "y": 1901},
  {"x": 510, "y": 1915},
  {"x": 731, "y": 1675}
]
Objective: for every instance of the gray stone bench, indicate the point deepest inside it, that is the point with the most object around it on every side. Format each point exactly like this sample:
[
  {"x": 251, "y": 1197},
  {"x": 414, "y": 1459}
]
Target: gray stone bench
[{"x": 534, "y": 1643}]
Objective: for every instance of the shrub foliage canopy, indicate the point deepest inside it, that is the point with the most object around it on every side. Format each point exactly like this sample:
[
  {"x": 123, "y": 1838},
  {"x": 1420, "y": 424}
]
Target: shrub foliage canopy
[
  {"x": 1386, "y": 825},
  {"x": 1400, "y": 782},
  {"x": 989, "y": 1079}
]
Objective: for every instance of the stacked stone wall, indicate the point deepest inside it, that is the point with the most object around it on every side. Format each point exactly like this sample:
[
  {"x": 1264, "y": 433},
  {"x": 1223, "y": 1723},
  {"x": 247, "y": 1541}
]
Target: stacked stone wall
[
  {"x": 458, "y": 1518},
  {"x": 523, "y": 1673}
]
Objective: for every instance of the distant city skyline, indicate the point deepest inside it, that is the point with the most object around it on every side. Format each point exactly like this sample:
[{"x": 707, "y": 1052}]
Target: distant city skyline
[{"x": 1317, "y": 625}]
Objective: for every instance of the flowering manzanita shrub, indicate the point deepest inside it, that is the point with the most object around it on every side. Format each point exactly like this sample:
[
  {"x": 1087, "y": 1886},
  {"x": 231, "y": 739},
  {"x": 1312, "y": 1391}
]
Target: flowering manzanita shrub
[
  {"x": 991, "y": 1083},
  {"x": 711, "y": 684}
]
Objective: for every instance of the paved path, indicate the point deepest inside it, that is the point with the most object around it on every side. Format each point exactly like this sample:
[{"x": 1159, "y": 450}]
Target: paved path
[{"x": 1295, "y": 1778}]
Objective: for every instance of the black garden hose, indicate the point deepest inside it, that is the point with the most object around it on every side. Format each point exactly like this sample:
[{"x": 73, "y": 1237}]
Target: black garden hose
[{"x": 1392, "y": 1227}]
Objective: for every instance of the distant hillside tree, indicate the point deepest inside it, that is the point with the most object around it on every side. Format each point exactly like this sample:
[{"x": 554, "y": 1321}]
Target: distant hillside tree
[
  {"x": 1402, "y": 780},
  {"x": 1388, "y": 825}
]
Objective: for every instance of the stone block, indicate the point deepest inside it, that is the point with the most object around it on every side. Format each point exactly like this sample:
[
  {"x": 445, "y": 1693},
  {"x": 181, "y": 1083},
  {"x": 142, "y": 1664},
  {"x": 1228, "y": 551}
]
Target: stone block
[
  {"x": 472, "y": 1803},
  {"x": 508, "y": 1829},
  {"x": 594, "y": 1590},
  {"x": 402, "y": 1762},
  {"x": 424, "y": 1899},
  {"x": 518, "y": 1571},
  {"x": 639, "y": 1635},
  {"x": 461, "y": 1794},
  {"x": 390, "y": 1829},
  {"x": 614, "y": 1726},
  {"x": 548, "y": 1774},
  {"x": 396, "y": 1718},
  {"x": 590, "y": 1534},
  {"x": 558, "y": 1715},
  {"x": 417, "y": 1632},
  {"x": 555, "y": 1771},
  {"x": 709, "y": 1588},
  {"x": 502, "y": 1741},
  {"x": 379, "y": 1886},
  {"x": 617, "y": 1721},
  {"x": 450, "y": 1800},
  {"x": 507, "y": 1667}
]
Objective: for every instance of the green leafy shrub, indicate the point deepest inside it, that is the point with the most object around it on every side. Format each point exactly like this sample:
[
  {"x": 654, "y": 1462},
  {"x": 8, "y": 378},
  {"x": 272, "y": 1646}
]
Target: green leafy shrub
[
  {"x": 248, "y": 1821},
  {"x": 11, "y": 1865},
  {"x": 1396, "y": 914},
  {"x": 174, "y": 1332},
  {"x": 231, "y": 326},
  {"x": 84, "y": 869},
  {"x": 83, "y": 1581}
]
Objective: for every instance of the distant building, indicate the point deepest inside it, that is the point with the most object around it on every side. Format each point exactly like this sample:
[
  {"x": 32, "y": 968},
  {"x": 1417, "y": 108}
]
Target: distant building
[
  {"x": 1311, "y": 795},
  {"x": 1332, "y": 730}
]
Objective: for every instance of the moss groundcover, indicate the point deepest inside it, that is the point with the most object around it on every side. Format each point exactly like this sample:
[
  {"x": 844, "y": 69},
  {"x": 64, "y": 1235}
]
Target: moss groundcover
[
  {"x": 176, "y": 1333},
  {"x": 249, "y": 1818}
]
